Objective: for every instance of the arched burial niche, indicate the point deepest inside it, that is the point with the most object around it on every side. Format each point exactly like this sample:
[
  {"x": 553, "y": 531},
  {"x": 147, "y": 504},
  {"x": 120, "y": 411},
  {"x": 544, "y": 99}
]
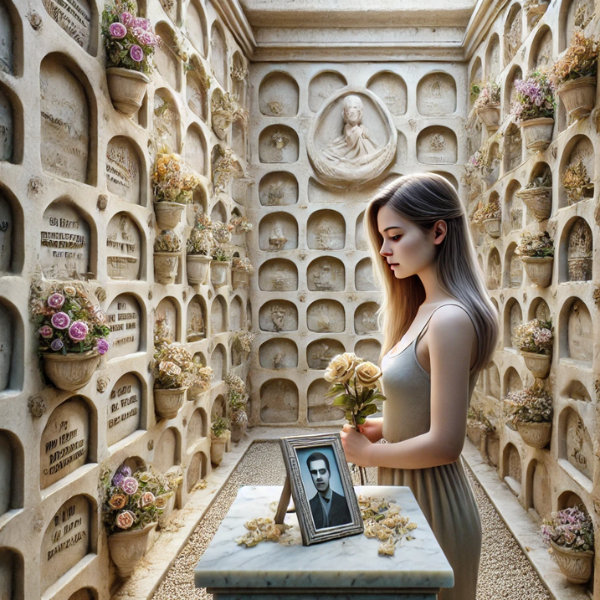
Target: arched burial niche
[
  {"x": 195, "y": 25},
  {"x": 437, "y": 145},
  {"x": 196, "y": 319},
  {"x": 219, "y": 54},
  {"x": 166, "y": 120},
  {"x": 319, "y": 353},
  {"x": 167, "y": 452},
  {"x": 11, "y": 236},
  {"x": 167, "y": 311},
  {"x": 513, "y": 32},
  {"x": 65, "y": 441},
  {"x": 197, "y": 470},
  {"x": 278, "y": 275},
  {"x": 278, "y": 315},
  {"x": 165, "y": 56},
  {"x": 278, "y": 231},
  {"x": 218, "y": 316},
  {"x": 278, "y": 401},
  {"x": 123, "y": 319},
  {"x": 541, "y": 49},
  {"x": 124, "y": 409},
  {"x": 196, "y": 89},
  {"x": 363, "y": 276},
  {"x": 65, "y": 242},
  {"x": 197, "y": 428},
  {"x": 11, "y": 348},
  {"x": 513, "y": 275},
  {"x": 578, "y": 247},
  {"x": 65, "y": 115},
  {"x": 278, "y": 188},
  {"x": 391, "y": 88},
  {"x": 368, "y": 349},
  {"x": 322, "y": 86},
  {"x": 574, "y": 14},
  {"x": 511, "y": 469},
  {"x": 575, "y": 446},
  {"x": 494, "y": 269},
  {"x": 513, "y": 148},
  {"x": 7, "y": 129},
  {"x": 11, "y": 473},
  {"x": 577, "y": 172},
  {"x": 320, "y": 408},
  {"x": 67, "y": 539},
  {"x": 123, "y": 248},
  {"x": 512, "y": 381},
  {"x": 239, "y": 76},
  {"x": 236, "y": 314},
  {"x": 326, "y": 274},
  {"x": 218, "y": 363},
  {"x": 539, "y": 309},
  {"x": 219, "y": 212},
  {"x": 510, "y": 91},
  {"x": 238, "y": 139},
  {"x": 360, "y": 237},
  {"x": 576, "y": 333},
  {"x": 493, "y": 64},
  {"x": 326, "y": 316},
  {"x": 476, "y": 77},
  {"x": 365, "y": 318},
  {"x": 513, "y": 317},
  {"x": 326, "y": 230},
  {"x": 278, "y": 144},
  {"x": 278, "y": 353},
  {"x": 436, "y": 95},
  {"x": 195, "y": 149},
  {"x": 219, "y": 407},
  {"x": 124, "y": 169},
  {"x": 513, "y": 208},
  {"x": 278, "y": 95},
  {"x": 539, "y": 493}
]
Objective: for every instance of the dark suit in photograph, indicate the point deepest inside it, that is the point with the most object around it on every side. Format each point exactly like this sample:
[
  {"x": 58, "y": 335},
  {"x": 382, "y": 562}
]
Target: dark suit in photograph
[{"x": 338, "y": 512}]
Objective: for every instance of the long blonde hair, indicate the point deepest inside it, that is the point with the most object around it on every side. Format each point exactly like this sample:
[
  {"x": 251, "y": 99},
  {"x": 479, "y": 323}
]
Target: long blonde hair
[{"x": 425, "y": 198}]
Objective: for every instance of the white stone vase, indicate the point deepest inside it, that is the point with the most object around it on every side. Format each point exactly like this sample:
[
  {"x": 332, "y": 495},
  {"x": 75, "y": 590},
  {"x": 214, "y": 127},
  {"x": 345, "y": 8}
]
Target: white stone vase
[
  {"x": 168, "y": 402},
  {"x": 126, "y": 548},
  {"x": 537, "y": 132},
  {"x": 71, "y": 371},
  {"x": 538, "y": 364},
  {"x": 165, "y": 266},
  {"x": 578, "y": 96},
  {"x": 535, "y": 434},
  {"x": 127, "y": 89},
  {"x": 168, "y": 214},
  {"x": 538, "y": 201},
  {"x": 197, "y": 268},
  {"x": 539, "y": 269},
  {"x": 218, "y": 272},
  {"x": 492, "y": 226},
  {"x": 576, "y": 565},
  {"x": 490, "y": 117},
  {"x": 239, "y": 278},
  {"x": 217, "y": 449}
]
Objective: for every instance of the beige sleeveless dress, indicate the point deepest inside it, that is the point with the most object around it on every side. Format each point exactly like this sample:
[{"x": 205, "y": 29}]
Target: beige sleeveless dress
[{"x": 443, "y": 492}]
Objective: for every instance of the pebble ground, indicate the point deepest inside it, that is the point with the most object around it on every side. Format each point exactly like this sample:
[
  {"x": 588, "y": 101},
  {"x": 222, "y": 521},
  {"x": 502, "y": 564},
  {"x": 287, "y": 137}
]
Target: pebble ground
[{"x": 504, "y": 573}]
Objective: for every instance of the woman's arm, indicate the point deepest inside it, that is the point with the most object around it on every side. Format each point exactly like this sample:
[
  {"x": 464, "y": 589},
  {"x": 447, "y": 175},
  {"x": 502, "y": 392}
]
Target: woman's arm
[{"x": 452, "y": 335}]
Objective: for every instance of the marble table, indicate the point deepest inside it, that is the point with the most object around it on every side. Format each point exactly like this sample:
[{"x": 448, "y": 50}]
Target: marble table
[{"x": 346, "y": 568}]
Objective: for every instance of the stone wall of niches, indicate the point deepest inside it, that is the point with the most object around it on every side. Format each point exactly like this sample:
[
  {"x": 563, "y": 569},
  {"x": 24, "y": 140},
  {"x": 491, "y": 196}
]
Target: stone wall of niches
[
  {"x": 313, "y": 289},
  {"x": 567, "y": 471},
  {"x": 70, "y": 165}
]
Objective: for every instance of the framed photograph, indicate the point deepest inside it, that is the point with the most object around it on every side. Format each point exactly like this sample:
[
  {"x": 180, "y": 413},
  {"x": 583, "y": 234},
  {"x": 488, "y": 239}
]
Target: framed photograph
[{"x": 321, "y": 486}]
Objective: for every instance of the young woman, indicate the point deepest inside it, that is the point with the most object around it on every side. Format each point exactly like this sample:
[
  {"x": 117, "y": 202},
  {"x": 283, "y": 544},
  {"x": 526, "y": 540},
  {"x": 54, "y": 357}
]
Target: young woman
[{"x": 440, "y": 330}]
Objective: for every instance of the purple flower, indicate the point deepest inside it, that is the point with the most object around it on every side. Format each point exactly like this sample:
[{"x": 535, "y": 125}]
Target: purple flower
[
  {"x": 56, "y": 300},
  {"x": 141, "y": 23},
  {"x": 136, "y": 53},
  {"x": 102, "y": 346},
  {"x": 78, "y": 331},
  {"x": 56, "y": 345},
  {"x": 129, "y": 485},
  {"x": 117, "y": 31},
  {"x": 125, "y": 470},
  {"x": 117, "y": 479},
  {"x": 127, "y": 19},
  {"x": 46, "y": 331},
  {"x": 60, "y": 320}
]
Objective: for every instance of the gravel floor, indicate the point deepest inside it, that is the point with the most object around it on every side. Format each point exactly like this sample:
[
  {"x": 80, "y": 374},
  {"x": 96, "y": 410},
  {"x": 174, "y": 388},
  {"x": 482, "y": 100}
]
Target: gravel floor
[{"x": 504, "y": 572}]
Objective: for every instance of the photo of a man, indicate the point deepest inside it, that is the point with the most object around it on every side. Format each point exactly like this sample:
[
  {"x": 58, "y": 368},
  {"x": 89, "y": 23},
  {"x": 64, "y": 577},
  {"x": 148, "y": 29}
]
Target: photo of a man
[{"x": 328, "y": 508}]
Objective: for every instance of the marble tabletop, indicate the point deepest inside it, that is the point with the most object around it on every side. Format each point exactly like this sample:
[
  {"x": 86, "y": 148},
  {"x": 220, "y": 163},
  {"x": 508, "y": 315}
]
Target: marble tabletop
[{"x": 350, "y": 562}]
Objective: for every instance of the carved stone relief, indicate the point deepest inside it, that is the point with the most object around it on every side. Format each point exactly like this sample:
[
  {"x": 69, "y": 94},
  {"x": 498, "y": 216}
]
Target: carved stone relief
[
  {"x": 542, "y": 311},
  {"x": 238, "y": 138},
  {"x": 579, "y": 15},
  {"x": 512, "y": 93},
  {"x": 278, "y": 231},
  {"x": 437, "y": 145},
  {"x": 196, "y": 320},
  {"x": 278, "y": 144},
  {"x": 543, "y": 52},
  {"x": 578, "y": 444},
  {"x": 541, "y": 493},
  {"x": 326, "y": 230},
  {"x": 368, "y": 349},
  {"x": 580, "y": 343},
  {"x": 219, "y": 55},
  {"x": 279, "y": 401},
  {"x": 436, "y": 95},
  {"x": 391, "y": 88},
  {"x": 123, "y": 318},
  {"x": 580, "y": 251},
  {"x": 218, "y": 316},
  {"x": 322, "y": 87},
  {"x": 123, "y": 409},
  {"x": 195, "y": 150},
  {"x": 365, "y": 318},
  {"x": 195, "y": 25},
  {"x": 326, "y": 274},
  {"x": 123, "y": 252},
  {"x": 279, "y": 353},
  {"x": 278, "y": 189},
  {"x": 6, "y": 128},
  {"x": 326, "y": 316},
  {"x": 167, "y": 450},
  {"x": 278, "y": 95},
  {"x": 320, "y": 408},
  {"x": 74, "y": 16},
  {"x": 123, "y": 169},
  {"x": 364, "y": 277},
  {"x": 197, "y": 470},
  {"x": 278, "y": 275}
]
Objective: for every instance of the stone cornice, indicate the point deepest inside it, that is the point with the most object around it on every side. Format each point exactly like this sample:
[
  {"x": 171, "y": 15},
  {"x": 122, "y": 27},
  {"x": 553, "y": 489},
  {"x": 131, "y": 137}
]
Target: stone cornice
[{"x": 233, "y": 15}]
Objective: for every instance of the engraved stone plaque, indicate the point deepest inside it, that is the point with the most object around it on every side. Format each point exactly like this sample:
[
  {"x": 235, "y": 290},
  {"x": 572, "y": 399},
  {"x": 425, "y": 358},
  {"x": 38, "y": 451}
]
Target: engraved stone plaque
[
  {"x": 278, "y": 353},
  {"x": 541, "y": 493},
  {"x": 6, "y": 347},
  {"x": 326, "y": 316},
  {"x": 6, "y": 468},
  {"x": 578, "y": 444},
  {"x": 278, "y": 315},
  {"x": 278, "y": 144},
  {"x": 166, "y": 120},
  {"x": 164, "y": 56},
  {"x": 123, "y": 169},
  {"x": 279, "y": 401},
  {"x": 196, "y": 95},
  {"x": 123, "y": 250},
  {"x": 123, "y": 409},
  {"x": 74, "y": 16},
  {"x": 218, "y": 363},
  {"x": 123, "y": 317},
  {"x": 437, "y": 145}
]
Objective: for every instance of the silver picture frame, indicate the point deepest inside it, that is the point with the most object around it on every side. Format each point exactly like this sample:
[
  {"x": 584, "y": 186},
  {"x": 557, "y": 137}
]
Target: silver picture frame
[{"x": 314, "y": 526}]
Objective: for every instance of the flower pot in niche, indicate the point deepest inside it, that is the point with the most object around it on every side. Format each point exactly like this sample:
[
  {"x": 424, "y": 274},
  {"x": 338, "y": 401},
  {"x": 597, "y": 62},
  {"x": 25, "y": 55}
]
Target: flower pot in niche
[
  {"x": 168, "y": 214},
  {"x": 239, "y": 279},
  {"x": 197, "y": 268},
  {"x": 126, "y": 548},
  {"x": 165, "y": 267},
  {"x": 238, "y": 430},
  {"x": 537, "y": 132},
  {"x": 580, "y": 268},
  {"x": 538, "y": 201},
  {"x": 71, "y": 371},
  {"x": 492, "y": 226},
  {"x": 578, "y": 96},
  {"x": 535, "y": 434},
  {"x": 539, "y": 269},
  {"x": 218, "y": 272},
  {"x": 490, "y": 117},
  {"x": 127, "y": 89},
  {"x": 575, "y": 564},
  {"x": 538, "y": 364},
  {"x": 168, "y": 402},
  {"x": 217, "y": 449}
]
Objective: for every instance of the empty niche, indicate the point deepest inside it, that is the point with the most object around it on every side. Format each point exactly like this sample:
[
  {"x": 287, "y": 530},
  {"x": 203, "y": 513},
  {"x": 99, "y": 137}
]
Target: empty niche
[
  {"x": 364, "y": 278},
  {"x": 66, "y": 541},
  {"x": 278, "y": 275},
  {"x": 165, "y": 56},
  {"x": 575, "y": 14},
  {"x": 575, "y": 442},
  {"x": 74, "y": 17},
  {"x": 278, "y": 315},
  {"x": 541, "y": 310},
  {"x": 123, "y": 248},
  {"x": 219, "y": 407},
  {"x": 65, "y": 242},
  {"x": 219, "y": 212},
  {"x": 579, "y": 158},
  {"x": 166, "y": 451},
  {"x": 541, "y": 50},
  {"x": 278, "y": 401},
  {"x": 494, "y": 270},
  {"x": 513, "y": 31},
  {"x": 197, "y": 427},
  {"x": 123, "y": 409},
  {"x": 219, "y": 54},
  {"x": 320, "y": 408},
  {"x": 279, "y": 353},
  {"x": 492, "y": 57},
  {"x": 278, "y": 231},
  {"x": 513, "y": 277},
  {"x": 279, "y": 188},
  {"x": 437, "y": 145},
  {"x": 368, "y": 349},
  {"x": 360, "y": 238},
  {"x": 577, "y": 391},
  {"x": 65, "y": 127},
  {"x": 391, "y": 88},
  {"x": 322, "y": 86},
  {"x": 365, "y": 318},
  {"x": 196, "y": 319},
  {"x": 579, "y": 329},
  {"x": 493, "y": 381},
  {"x": 195, "y": 90},
  {"x": 218, "y": 363},
  {"x": 197, "y": 470},
  {"x": 65, "y": 441},
  {"x": 320, "y": 352},
  {"x": 513, "y": 318},
  {"x": 6, "y": 43},
  {"x": 326, "y": 230},
  {"x": 123, "y": 319},
  {"x": 512, "y": 468},
  {"x": 238, "y": 138},
  {"x": 326, "y": 274},
  {"x": 166, "y": 120},
  {"x": 195, "y": 26},
  {"x": 512, "y": 381},
  {"x": 236, "y": 315},
  {"x": 326, "y": 316},
  {"x": 195, "y": 150},
  {"x": 218, "y": 322},
  {"x": 278, "y": 144},
  {"x": 513, "y": 208},
  {"x": 278, "y": 95},
  {"x": 123, "y": 169},
  {"x": 7, "y": 129},
  {"x": 436, "y": 95},
  {"x": 580, "y": 249},
  {"x": 540, "y": 494}
]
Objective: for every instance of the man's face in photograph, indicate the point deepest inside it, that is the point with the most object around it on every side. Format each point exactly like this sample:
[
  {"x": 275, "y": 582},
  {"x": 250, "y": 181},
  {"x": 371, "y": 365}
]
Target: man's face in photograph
[{"x": 319, "y": 474}]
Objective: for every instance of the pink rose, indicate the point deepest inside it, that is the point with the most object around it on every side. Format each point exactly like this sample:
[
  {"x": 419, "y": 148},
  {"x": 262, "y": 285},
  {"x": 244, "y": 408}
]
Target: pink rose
[
  {"x": 46, "y": 331},
  {"x": 141, "y": 23},
  {"x": 146, "y": 499},
  {"x": 78, "y": 331},
  {"x": 127, "y": 19},
  {"x": 117, "y": 31},
  {"x": 125, "y": 519},
  {"x": 60, "y": 320},
  {"x": 136, "y": 53},
  {"x": 129, "y": 485},
  {"x": 56, "y": 300}
]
